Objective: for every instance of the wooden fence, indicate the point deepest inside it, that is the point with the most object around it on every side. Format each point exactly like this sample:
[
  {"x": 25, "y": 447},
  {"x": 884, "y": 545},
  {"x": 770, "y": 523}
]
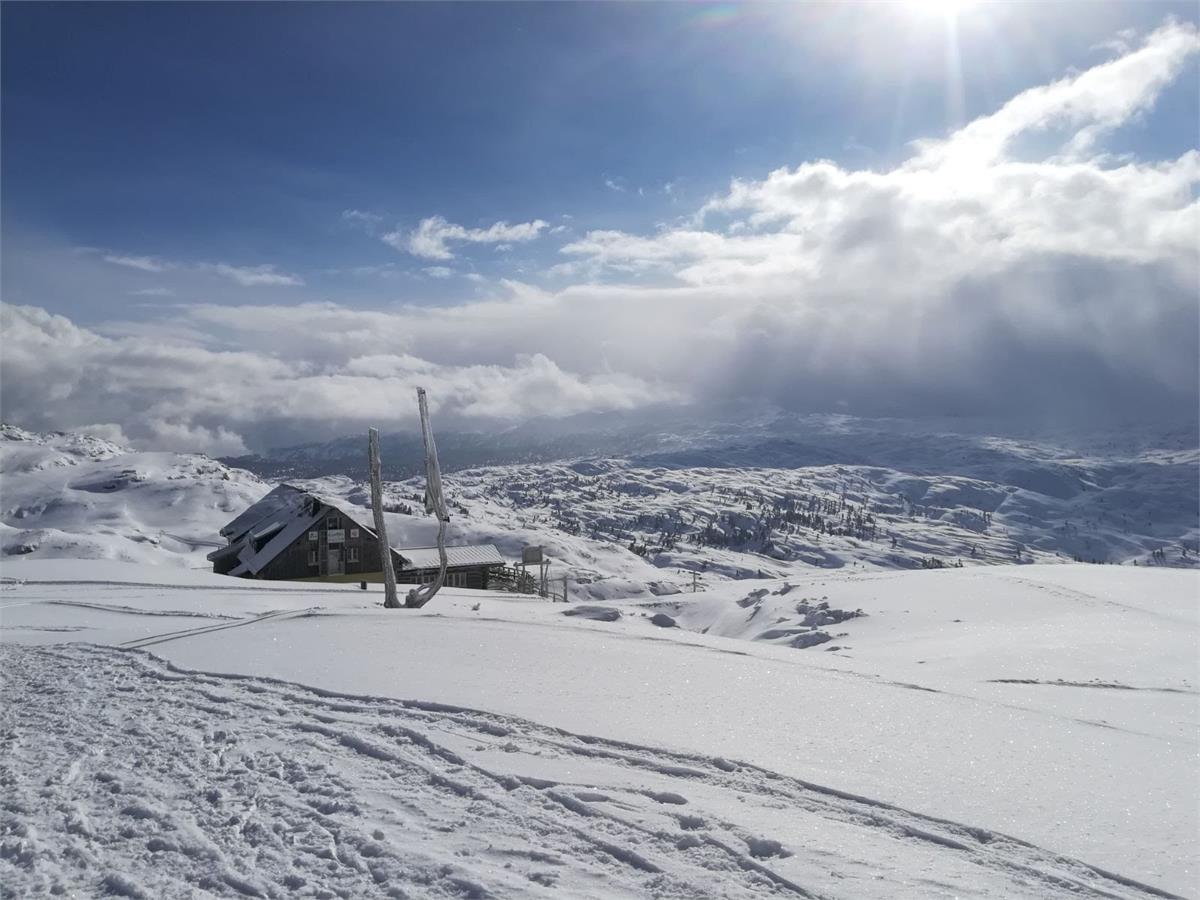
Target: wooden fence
[{"x": 521, "y": 581}]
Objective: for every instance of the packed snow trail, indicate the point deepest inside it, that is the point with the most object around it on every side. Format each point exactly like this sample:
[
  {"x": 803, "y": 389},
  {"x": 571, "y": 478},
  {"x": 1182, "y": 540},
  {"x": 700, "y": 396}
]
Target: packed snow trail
[{"x": 125, "y": 775}]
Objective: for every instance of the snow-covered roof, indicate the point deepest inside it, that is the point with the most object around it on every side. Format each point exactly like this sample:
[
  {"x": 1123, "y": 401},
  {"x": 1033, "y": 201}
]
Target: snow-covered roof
[
  {"x": 467, "y": 555},
  {"x": 265, "y": 531},
  {"x": 282, "y": 503},
  {"x": 251, "y": 562},
  {"x": 350, "y": 510}
]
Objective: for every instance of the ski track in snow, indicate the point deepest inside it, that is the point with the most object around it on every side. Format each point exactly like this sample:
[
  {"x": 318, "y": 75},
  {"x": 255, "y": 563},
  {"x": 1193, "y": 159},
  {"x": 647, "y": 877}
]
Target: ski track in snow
[
  {"x": 1105, "y": 685},
  {"x": 282, "y": 588},
  {"x": 1066, "y": 593},
  {"x": 162, "y": 638},
  {"x": 186, "y": 784}
]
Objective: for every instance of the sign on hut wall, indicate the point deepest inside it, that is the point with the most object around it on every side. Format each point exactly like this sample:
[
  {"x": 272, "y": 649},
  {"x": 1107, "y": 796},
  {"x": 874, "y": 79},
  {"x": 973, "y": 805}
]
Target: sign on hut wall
[{"x": 336, "y": 535}]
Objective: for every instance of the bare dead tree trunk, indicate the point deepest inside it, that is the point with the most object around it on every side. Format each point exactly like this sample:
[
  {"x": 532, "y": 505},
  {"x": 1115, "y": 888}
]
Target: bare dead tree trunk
[
  {"x": 390, "y": 600},
  {"x": 435, "y": 503}
]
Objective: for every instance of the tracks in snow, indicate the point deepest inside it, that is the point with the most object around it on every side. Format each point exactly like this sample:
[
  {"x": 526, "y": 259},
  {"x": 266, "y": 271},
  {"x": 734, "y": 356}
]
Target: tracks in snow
[
  {"x": 252, "y": 587},
  {"x": 1071, "y": 594},
  {"x": 1097, "y": 684},
  {"x": 125, "y": 774},
  {"x": 152, "y": 640}
]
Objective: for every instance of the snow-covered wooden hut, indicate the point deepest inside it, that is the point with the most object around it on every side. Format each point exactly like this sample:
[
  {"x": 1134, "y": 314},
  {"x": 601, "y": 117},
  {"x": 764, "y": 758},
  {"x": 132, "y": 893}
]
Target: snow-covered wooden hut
[{"x": 292, "y": 535}]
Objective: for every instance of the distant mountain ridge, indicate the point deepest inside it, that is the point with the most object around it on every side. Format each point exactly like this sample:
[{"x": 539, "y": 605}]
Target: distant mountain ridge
[
  {"x": 674, "y": 438},
  {"x": 631, "y": 511}
]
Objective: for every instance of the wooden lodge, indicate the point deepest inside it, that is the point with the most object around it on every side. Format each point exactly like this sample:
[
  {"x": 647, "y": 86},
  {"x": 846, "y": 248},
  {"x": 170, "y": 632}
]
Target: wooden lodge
[{"x": 295, "y": 535}]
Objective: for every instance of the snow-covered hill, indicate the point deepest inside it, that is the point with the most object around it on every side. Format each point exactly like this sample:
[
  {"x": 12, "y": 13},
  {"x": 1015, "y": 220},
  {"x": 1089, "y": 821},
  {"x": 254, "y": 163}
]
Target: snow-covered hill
[
  {"x": 74, "y": 496},
  {"x": 620, "y": 528},
  {"x": 626, "y": 528}
]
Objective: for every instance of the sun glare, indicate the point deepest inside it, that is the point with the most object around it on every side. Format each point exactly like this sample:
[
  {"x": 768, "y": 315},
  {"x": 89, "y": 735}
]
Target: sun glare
[{"x": 939, "y": 8}]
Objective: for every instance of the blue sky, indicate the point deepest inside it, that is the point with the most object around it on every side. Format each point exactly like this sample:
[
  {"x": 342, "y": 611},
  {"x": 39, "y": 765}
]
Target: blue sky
[
  {"x": 241, "y": 132},
  {"x": 161, "y": 159}
]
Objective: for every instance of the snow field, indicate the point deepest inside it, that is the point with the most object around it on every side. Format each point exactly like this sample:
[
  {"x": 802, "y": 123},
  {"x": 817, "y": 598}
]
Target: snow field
[
  {"x": 919, "y": 716},
  {"x": 183, "y": 783}
]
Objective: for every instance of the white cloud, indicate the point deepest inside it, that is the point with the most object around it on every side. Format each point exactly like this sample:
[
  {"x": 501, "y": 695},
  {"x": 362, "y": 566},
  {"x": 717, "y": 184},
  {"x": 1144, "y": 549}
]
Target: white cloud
[
  {"x": 255, "y": 276},
  {"x": 974, "y": 277},
  {"x": 367, "y": 220},
  {"x": 431, "y": 237},
  {"x": 142, "y": 263},
  {"x": 218, "y": 441},
  {"x": 1088, "y": 104},
  {"x": 438, "y": 271},
  {"x": 165, "y": 393},
  {"x": 960, "y": 208},
  {"x": 1119, "y": 44},
  {"x": 247, "y": 276}
]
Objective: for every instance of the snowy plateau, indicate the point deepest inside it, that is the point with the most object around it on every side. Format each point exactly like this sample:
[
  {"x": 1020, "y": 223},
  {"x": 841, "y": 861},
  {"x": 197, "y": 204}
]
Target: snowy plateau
[{"x": 885, "y": 667}]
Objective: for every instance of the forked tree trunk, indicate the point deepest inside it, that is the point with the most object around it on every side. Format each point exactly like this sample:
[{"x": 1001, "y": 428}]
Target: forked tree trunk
[{"x": 435, "y": 503}]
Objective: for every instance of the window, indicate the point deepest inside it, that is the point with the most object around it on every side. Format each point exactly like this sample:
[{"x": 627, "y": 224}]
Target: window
[
  {"x": 312, "y": 557},
  {"x": 351, "y": 554},
  {"x": 353, "y": 532},
  {"x": 333, "y": 522},
  {"x": 313, "y": 536}
]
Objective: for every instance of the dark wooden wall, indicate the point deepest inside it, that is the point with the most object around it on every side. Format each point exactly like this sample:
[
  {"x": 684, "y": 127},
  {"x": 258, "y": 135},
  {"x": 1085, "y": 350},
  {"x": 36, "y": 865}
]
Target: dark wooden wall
[{"x": 293, "y": 561}]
